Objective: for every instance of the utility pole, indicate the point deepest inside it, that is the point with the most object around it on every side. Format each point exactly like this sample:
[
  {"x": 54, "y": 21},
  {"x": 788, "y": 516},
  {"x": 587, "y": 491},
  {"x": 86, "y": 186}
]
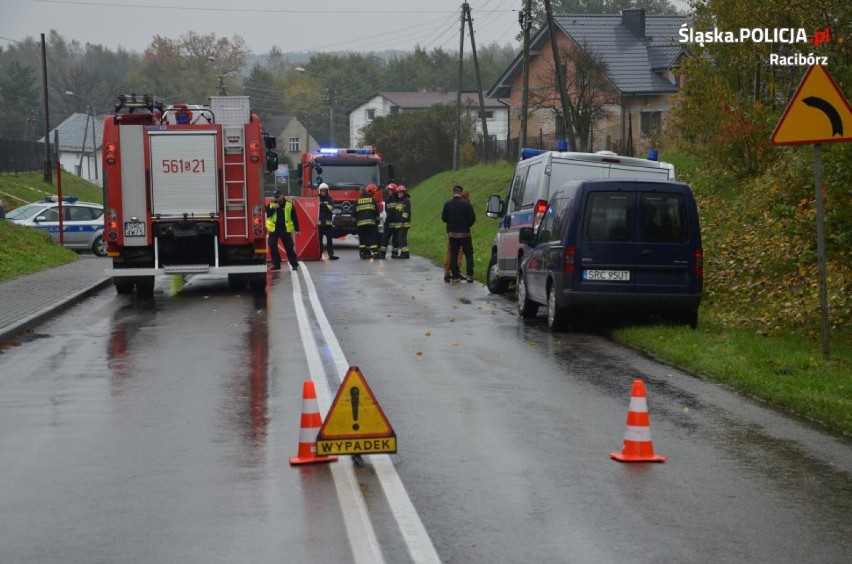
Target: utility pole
[
  {"x": 222, "y": 90},
  {"x": 485, "y": 139},
  {"x": 94, "y": 153},
  {"x": 331, "y": 115},
  {"x": 525, "y": 19},
  {"x": 560, "y": 78},
  {"x": 48, "y": 173},
  {"x": 457, "y": 139}
]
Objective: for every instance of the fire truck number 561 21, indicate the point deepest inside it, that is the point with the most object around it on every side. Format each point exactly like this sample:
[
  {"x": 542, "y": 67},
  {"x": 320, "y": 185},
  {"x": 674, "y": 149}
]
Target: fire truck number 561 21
[{"x": 177, "y": 166}]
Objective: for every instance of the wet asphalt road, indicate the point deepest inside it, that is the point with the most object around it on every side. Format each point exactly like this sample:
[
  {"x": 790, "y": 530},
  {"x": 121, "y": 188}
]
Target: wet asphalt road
[{"x": 160, "y": 431}]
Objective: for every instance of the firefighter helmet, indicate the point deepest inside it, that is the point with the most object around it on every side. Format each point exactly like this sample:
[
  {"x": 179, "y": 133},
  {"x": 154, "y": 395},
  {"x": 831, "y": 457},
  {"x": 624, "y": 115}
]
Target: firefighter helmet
[
  {"x": 372, "y": 189},
  {"x": 401, "y": 188},
  {"x": 392, "y": 187},
  {"x": 323, "y": 186}
]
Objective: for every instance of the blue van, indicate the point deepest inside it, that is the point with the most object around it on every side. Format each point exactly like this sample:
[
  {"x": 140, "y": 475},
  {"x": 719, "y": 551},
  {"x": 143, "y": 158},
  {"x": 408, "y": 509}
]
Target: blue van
[
  {"x": 617, "y": 246},
  {"x": 536, "y": 175}
]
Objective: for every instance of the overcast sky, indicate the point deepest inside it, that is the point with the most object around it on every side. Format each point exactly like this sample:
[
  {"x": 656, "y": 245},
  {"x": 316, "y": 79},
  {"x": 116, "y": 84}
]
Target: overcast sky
[{"x": 306, "y": 25}]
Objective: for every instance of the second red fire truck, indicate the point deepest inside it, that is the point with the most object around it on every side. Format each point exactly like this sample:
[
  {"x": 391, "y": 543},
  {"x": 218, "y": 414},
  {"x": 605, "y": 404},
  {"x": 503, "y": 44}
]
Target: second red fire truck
[{"x": 345, "y": 171}]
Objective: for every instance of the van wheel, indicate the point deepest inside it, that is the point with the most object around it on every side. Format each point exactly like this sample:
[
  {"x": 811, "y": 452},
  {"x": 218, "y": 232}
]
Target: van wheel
[
  {"x": 526, "y": 308},
  {"x": 690, "y": 318},
  {"x": 496, "y": 285},
  {"x": 555, "y": 316}
]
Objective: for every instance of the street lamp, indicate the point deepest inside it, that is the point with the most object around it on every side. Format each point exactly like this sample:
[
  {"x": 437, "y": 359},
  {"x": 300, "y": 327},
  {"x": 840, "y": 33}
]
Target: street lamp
[{"x": 331, "y": 102}]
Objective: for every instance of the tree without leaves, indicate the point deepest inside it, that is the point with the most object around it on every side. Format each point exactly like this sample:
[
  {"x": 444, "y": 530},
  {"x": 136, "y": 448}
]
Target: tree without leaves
[{"x": 589, "y": 91}]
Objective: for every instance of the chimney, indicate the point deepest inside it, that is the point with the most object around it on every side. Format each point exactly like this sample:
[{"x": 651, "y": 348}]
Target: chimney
[{"x": 634, "y": 20}]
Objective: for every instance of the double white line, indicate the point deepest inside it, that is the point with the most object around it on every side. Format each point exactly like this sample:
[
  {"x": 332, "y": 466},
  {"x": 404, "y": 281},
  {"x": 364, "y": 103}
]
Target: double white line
[{"x": 359, "y": 529}]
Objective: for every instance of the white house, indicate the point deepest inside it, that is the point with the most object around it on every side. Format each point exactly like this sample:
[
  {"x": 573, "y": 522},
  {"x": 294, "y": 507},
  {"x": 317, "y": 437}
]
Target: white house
[
  {"x": 386, "y": 103},
  {"x": 80, "y": 138}
]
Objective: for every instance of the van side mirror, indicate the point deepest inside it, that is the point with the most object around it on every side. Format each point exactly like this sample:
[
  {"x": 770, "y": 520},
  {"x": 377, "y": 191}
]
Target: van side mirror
[
  {"x": 526, "y": 235},
  {"x": 271, "y": 161},
  {"x": 494, "y": 207}
]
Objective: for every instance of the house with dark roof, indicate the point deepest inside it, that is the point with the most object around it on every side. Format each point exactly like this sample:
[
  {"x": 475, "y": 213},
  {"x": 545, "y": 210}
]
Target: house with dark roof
[
  {"x": 386, "y": 103},
  {"x": 291, "y": 137},
  {"x": 639, "y": 57},
  {"x": 80, "y": 146}
]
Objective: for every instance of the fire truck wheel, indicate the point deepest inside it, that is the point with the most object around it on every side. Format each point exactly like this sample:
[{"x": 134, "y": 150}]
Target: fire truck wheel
[
  {"x": 258, "y": 284},
  {"x": 145, "y": 286},
  {"x": 237, "y": 282},
  {"x": 123, "y": 287}
]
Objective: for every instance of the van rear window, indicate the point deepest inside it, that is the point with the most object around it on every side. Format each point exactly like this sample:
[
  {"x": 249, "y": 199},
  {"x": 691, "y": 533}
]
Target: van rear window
[
  {"x": 608, "y": 217},
  {"x": 662, "y": 218}
]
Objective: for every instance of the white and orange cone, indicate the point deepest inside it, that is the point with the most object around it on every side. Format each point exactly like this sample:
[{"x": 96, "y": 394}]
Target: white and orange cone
[
  {"x": 311, "y": 424},
  {"x": 637, "y": 437}
]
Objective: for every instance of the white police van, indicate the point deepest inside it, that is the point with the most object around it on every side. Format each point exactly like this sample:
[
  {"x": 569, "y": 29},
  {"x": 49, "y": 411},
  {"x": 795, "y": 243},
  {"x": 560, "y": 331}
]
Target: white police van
[{"x": 536, "y": 174}]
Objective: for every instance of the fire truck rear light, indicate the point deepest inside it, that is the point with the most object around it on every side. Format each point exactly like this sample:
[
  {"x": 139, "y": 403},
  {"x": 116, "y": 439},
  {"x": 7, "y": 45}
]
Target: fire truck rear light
[
  {"x": 258, "y": 231},
  {"x": 110, "y": 160},
  {"x": 254, "y": 146},
  {"x": 254, "y": 158},
  {"x": 111, "y": 213},
  {"x": 112, "y": 235},
  {"x": 113, "y": 224},
  {"x": 568, "y": 267}
]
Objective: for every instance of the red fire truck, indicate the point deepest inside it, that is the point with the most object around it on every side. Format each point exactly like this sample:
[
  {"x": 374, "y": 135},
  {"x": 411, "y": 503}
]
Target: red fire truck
[
  {"x": 345, "y": 171},
  {"x": 184, "y": 191}
]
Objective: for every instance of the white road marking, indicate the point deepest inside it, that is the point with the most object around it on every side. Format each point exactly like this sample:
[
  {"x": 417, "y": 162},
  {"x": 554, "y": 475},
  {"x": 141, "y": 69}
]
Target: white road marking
[
  {"x": 359, "y": 528},
  {"x": 417, "y": 540}
]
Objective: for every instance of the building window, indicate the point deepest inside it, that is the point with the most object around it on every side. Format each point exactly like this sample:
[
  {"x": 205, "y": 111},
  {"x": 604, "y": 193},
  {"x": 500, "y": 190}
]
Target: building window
[
  {"x": 371, "y": 114},
  {"x": 650, "y": 123},
  {"x": 294, "y": 145},
  {"x": 394, "y": 109},
  {"x": 489, "y": 114}
]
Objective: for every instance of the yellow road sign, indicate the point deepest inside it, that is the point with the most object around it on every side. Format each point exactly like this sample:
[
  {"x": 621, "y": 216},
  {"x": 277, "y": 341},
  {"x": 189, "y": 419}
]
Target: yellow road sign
[
  {"x": 355, "y": 423},
  {"x": 817, "y": 113}
]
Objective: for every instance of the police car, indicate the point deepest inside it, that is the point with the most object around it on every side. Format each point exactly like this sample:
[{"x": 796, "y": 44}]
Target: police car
[{"x": 83, "y": 222}]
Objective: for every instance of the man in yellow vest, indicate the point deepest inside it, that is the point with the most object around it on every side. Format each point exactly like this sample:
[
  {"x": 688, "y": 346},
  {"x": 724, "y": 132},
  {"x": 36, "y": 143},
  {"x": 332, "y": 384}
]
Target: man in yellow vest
[{"x": 281, "y": 222}]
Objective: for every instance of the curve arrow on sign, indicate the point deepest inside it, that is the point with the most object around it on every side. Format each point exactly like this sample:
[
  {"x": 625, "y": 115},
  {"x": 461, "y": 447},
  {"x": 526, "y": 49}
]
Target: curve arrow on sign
[{"x": 829, "y": 111}]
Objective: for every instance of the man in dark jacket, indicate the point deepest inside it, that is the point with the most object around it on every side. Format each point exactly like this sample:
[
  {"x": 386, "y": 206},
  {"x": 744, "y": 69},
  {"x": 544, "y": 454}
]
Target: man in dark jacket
[
  {"x": 326, "y": 221},
  {"x": 459, "y": 216},
  {"x": 281, "y": 222}
]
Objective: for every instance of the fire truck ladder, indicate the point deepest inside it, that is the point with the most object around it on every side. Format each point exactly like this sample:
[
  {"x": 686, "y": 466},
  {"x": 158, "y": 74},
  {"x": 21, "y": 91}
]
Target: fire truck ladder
[{"x": 234, "y": 159}]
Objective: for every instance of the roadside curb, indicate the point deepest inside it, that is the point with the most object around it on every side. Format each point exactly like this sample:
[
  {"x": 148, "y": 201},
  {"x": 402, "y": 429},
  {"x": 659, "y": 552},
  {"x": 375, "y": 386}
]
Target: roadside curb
[{"x": 11, "y": 331}]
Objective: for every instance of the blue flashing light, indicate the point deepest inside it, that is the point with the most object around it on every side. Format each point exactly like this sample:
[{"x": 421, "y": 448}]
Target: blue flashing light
[
  {"x": 364, "y": 151},
  {"x": 328, "y": 151},
  {"x": 562, "y": 145},
  {"x": 652, "y": 155},
  {"x": 527, "y": 153}
]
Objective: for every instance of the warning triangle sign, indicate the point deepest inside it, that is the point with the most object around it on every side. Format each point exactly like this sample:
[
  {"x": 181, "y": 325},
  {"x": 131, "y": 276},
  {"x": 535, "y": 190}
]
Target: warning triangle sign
[
  {"x": 817, "y": 113},
  {"x": 355, "y": 423}
]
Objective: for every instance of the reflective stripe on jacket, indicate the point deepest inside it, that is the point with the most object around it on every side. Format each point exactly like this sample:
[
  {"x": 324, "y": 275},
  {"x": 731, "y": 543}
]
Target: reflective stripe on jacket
[{"x": 366, "y": 211}]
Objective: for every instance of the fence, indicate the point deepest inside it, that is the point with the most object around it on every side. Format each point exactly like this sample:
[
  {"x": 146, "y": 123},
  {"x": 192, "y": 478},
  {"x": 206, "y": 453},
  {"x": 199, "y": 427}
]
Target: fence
[{"x": 17, "y": 155}]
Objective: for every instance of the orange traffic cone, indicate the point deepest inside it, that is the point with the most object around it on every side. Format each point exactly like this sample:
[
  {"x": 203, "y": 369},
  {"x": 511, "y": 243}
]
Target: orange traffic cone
[
  {"x": 637, "y": 438},
  {"x": 311, "y": 424}
]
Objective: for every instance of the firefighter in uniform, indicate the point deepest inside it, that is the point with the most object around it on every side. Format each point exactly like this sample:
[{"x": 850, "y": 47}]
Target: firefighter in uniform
[
  {"x": 281, "y": 222},
  {"x": 367, "y": 222},
  {"x": 326, "y": 223},
  {"x": 389, "y": 237},
  {"x": 403, "y": 203}
]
